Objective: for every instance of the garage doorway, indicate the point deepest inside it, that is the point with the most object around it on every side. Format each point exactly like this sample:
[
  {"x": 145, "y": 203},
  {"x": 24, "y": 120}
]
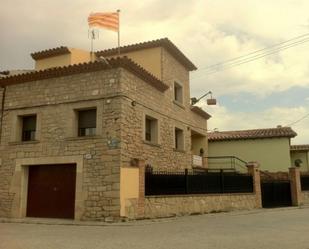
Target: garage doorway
[{"x": 51, "y": 191}]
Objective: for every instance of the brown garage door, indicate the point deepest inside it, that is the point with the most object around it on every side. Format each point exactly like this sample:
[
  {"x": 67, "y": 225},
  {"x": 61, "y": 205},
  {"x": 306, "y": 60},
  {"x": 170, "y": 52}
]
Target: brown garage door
[{"x": 51, "y": 191}]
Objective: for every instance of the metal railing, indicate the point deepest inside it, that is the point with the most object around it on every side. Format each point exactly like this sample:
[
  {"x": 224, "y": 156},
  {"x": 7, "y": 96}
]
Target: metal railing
[
  {"x": 231, "y": 162},
  {"x": 196, "y": 182}
]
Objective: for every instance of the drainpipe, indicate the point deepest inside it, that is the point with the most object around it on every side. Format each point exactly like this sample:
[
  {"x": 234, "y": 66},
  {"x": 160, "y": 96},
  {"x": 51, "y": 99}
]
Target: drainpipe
[
  {"x": 2, "y": 111},
  {"x": 307, "y": 155}
]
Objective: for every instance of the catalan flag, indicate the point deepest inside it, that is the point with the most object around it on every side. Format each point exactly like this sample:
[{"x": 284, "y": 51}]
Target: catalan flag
[{"x": 107, "y": 20}]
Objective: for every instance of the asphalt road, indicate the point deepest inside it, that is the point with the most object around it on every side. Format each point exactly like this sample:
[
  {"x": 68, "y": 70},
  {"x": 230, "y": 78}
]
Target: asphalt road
[{"x": 276, "y": 228}]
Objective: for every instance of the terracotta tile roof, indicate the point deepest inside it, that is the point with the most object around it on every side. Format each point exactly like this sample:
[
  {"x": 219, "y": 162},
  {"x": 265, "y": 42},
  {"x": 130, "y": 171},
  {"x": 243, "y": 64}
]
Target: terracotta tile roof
[
  {"x": 55, "y": 72},
  {"x": 50, "y": 53},
  {"x": 300, "y": 147},
  {"x": 201, "y": 112},
  {"x": 252, "y": 134},
  {"x": 164, "y": 42},
  {"x": 14, "y": 72}
]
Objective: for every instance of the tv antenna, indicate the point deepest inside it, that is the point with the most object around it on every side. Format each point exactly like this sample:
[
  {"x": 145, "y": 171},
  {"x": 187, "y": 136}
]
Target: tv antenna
[{"x": 93, "y": 34}]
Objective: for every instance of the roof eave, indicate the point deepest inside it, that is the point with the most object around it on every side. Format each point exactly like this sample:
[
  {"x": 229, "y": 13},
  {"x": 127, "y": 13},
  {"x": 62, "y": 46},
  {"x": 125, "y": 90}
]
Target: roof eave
[
  {"x": 50, "y": 53},
  {"x": 199, "y": 111},
  {"x": 246, "y": 138},
  {"x": 56, "y": 72},
  {"x": 165, "y": 42}
]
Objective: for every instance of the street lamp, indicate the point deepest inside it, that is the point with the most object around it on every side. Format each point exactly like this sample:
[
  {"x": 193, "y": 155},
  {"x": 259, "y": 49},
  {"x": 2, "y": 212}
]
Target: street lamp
[{"x": 210, "y": 101}]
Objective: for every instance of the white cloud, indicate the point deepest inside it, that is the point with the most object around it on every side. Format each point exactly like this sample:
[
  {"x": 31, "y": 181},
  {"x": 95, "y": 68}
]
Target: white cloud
[{"x": 207, "y": 31}]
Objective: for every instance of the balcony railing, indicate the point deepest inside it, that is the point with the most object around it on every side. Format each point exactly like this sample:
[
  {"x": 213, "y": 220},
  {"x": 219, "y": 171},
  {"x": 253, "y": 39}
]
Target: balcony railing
[{"x": 227, "y": 162}]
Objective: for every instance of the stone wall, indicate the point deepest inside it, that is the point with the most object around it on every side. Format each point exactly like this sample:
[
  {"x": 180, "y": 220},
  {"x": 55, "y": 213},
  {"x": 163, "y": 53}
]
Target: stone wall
[
  {"x": 165, "y": 206},
  {"x": 159, "y": 105},
  {"x": 119, "y": 133},
  {"x": 6, "y": 200},
  {"x": 55, "y": 101}
]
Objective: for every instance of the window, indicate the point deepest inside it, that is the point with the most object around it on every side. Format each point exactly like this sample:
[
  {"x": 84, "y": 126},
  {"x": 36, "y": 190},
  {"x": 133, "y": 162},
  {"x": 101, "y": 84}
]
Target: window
[
  {"x": 87, "y": 122},
  {"x": 179, "y": 139},
  {"x": 178, "y": 93},
  {"x": 151, "y": 129},
  {"x": 28, "y": 128}
]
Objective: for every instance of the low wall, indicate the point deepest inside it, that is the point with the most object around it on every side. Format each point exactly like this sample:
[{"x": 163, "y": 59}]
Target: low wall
[
  {"x": 166, "y": 206},
  {"x": 305, "y": 197},
  {"x": 141, "y": 206}
]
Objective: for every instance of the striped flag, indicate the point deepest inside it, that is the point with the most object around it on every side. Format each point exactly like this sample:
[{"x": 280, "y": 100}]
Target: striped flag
[{"x": 107, "y": 20}]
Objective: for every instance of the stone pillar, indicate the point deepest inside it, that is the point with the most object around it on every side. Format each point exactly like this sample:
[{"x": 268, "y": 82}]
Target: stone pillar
[
  {"x": 141, "y": 189},
  {"x": 294, "y": 176},
  {"x": 205, "y": 162},
  {"x": 253, "y": 169}
]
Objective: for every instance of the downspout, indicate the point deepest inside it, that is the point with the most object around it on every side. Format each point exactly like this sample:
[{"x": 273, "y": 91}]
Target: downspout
[
  {"x": 2, "y": 111},
  {"x": 307, "y": 155}
]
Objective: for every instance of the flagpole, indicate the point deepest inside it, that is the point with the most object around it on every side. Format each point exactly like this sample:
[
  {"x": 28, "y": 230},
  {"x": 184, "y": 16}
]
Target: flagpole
[
  {"x": 118, "y": 11},
  {"x": 92, "y": 37},
  {"x": 91, "y": 45}
]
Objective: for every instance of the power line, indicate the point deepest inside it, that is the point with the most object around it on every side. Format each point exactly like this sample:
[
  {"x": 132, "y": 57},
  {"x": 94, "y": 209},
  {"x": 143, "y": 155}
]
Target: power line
[
  {"x": 272, "y": 51},
  {"x": 254, "y": 55},
  {"x": 298, "y": 120},
  {"x": 254, "y": 52}
]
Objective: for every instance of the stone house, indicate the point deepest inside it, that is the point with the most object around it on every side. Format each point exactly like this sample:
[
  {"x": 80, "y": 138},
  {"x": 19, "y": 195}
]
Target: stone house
[
  {"x": 270, "y": 147},
  {"x": 300, "y": 151},
  {"x": 72, "y": 128}
]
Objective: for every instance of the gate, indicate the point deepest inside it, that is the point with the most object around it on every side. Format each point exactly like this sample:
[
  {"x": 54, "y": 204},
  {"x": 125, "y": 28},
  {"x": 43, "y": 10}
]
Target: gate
[
  {"x": 276, "y": 193},
  {"x": 276, "y": 189}
]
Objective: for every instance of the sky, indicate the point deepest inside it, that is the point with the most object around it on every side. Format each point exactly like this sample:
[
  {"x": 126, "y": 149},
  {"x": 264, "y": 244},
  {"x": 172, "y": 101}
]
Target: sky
[{"x": 263, "y": 93}]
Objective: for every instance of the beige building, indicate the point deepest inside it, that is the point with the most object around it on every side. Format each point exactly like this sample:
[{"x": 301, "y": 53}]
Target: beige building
[
  {"x": 300, "y": 152},
  {"x": 71, "y": 132},
  {"x": 269, "y": 147}
]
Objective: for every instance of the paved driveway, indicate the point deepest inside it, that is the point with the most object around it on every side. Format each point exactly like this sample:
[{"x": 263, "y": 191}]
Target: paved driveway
[{"x": 281, "y": 228}]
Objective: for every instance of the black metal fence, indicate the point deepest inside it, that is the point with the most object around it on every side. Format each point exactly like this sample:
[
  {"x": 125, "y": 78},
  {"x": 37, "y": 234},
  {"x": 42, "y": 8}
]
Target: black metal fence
[
  {"x": 304, "y": 182},
  {"x": 196, "y": 182}
]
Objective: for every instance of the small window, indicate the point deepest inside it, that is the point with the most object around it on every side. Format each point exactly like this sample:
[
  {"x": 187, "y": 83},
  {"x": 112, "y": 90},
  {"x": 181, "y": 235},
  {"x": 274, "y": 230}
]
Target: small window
[
  {"x": 87, "y": 122},
  {"x": 28, "y": 128},
  {"x": 179, "y": 139},
  {"x": 178, "y": 93},
  {"x": 151, "y": 129}
]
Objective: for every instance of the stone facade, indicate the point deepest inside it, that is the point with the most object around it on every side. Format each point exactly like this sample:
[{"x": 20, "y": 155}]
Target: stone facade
[
  {"x": 122, "y": 99},
  {"x": 169, "y": 115},
  {"x": 55, "y": 101}
]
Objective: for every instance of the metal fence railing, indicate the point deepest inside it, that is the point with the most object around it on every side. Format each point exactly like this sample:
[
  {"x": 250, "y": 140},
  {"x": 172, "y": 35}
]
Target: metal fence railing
[
  {"x": 233, "y": 162},
  {"x": 304, "y": 180},
  {"x": 196, "y": 182}
]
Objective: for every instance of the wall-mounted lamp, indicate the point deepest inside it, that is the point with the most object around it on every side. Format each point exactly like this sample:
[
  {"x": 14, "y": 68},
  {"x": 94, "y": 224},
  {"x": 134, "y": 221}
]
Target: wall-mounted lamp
[{"x": 210, "y": 101}]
